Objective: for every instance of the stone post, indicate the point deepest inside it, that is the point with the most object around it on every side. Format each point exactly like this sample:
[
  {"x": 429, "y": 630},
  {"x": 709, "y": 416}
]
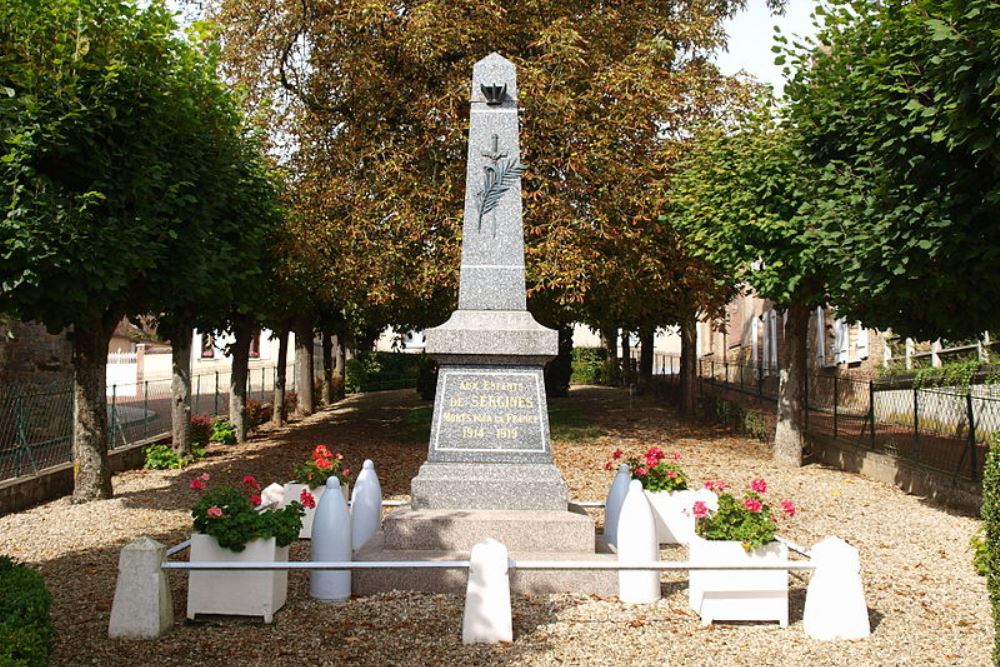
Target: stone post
[{"x": 142, "y": 608}]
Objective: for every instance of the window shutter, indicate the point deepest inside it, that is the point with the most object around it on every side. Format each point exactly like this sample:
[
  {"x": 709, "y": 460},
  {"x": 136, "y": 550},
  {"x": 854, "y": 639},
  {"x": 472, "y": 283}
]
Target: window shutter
[
  {"x": 753, "y": 340},
  {"x": 861, "y": 345},
  {"x": 840, "y": 340},
  {"x": 774, "y": 337}
]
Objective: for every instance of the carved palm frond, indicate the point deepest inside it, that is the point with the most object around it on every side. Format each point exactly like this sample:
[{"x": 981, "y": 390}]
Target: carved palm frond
[{"x": 496, "y": 182}]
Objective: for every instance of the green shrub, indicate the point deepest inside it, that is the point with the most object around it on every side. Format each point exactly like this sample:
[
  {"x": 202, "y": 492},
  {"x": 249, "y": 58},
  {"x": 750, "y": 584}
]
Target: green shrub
[
  {"x": 377, "y": 371},
  {"x": 223, "y": 432},
  {"x": 25, "y": 628},
  {"x": 161, "y": 456},
  {"x": 991, "y": 517},
  {"x": 427, "y": 375},
  {"x": 980, "y": 553},
  {"x": 589, "y": 366}
]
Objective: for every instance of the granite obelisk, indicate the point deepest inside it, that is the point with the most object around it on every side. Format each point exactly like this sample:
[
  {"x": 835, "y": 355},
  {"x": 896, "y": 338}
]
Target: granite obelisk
[{"x": 489, "y": 446}]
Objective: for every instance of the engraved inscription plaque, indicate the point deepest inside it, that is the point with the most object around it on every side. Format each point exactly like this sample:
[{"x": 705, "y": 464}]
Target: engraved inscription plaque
[{"x": 482, "y": 410}]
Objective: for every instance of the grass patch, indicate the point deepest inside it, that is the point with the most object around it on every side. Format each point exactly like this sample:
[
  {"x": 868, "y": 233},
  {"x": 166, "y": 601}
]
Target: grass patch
[
  {"x": 417, "y": 425},
  {"x": 571, "y": 424}
]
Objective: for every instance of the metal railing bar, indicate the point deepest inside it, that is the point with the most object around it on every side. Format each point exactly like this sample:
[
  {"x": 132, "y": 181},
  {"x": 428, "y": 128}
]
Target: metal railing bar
[{"x": 464, "y": 564}]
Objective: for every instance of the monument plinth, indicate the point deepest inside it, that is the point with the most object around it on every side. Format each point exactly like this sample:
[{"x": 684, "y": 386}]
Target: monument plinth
[
  {"x": 489, "y": 470},
  {"x": 489, "y": 446}
]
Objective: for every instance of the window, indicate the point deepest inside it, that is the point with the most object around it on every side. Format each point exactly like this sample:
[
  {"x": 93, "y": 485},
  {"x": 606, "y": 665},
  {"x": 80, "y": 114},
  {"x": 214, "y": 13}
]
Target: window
[
  {"x": 841, "y": 340},
  {"x": 255, "y": 346},
  {"x": 861, "y": 342},
  {"x": 754, "y": 325},
  {"x": 820, "y": 335}
]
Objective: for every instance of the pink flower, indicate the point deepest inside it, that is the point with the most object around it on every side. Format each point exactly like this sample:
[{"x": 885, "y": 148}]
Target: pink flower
[
  {"x": 759, "y": 485},
  {"x": 671, "y": 474},
  {"x": 788, "y": 507},
  {"x": 321, "y": 452},
  {"x": 607, "y": 466},
  {"x": 699, "y": 509},
  {"x": 617, "y": 454},
  {"x": 323, "y": 464},
  {"x": 214, "y": 511},
  {"x": 654, "y": 452},
  {"x": 346, "y": 472},
  {"x": 251, "y": 481},
  {"x": 255, "y": 500},
  {"x": 339, "y": 456},
  {"x": 307, "y": 499},
  {"x": 651, "y": 460},
  {"x": 642, "y": 471},
  {"x": 676, "y": 456},
  {"x": 752, "y": 504},
  {"x": 718, "y": 485},
  {"x": 205, "y": 477},
  {"x": 197, "y": 484}
]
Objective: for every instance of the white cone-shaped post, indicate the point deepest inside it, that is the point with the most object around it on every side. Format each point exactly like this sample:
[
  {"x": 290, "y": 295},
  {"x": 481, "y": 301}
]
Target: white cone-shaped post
[
  {"x": 835, "y": 599},
  {"x": 637, "y": 544},
  {"x": 366, "y": 505},
  {"x": 613, "y": 505},
  {"x": 487, "y": 618},
  {"x": 331, "y": 541},
  {"x": 273, "y": 494},
  {"x": 142, "y": 607}
]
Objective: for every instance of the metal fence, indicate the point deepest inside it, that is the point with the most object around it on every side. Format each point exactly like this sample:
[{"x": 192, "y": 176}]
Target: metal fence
[
  {"x": 36, "y": 425},
  {"x": 942, "y": 428}
]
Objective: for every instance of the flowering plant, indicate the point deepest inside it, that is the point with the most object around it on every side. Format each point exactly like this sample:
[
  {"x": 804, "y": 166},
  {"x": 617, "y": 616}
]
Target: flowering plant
[
  {"x": 230, "y": 515},
  {"x": 320, "y": 468},
  {"x": 748, "y": 519},
  {"x": 654, "y": 469}
]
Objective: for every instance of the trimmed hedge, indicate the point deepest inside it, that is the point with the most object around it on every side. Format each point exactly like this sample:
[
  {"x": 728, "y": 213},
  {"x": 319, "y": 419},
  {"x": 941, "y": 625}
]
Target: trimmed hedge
[
  {"x": 991, "y": 515},
  {"x": 378, "y": 371},
  {"x": 591, "y": 366},
  {"x": 25, "y": 628}
]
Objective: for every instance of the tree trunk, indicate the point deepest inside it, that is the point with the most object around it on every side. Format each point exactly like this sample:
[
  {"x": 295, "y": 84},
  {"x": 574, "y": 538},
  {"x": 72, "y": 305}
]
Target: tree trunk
[
  {"x": 91, "y": 468},
  {"x": 243, "y": 331},
  {"x": 559, "y": 370},
  {"x": 647, "y": 338},
  {"x": 327, "y": 397},
  {"x": 609, "y": 338},
  {"x": 689, "y": 365},
  {"x": 626, "y": 359},
  {"x": 278, "y": 415},
  {"x": 180, "y": 388},
  {"x": 304, "y": 366},
  {"x": 340, "y": 366},
  {"x": 789, "y": 436}
]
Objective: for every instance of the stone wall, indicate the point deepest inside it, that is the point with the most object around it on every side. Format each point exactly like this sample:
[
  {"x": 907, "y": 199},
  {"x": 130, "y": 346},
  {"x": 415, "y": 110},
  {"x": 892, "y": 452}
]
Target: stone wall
[{"x": 32, "y": 357}]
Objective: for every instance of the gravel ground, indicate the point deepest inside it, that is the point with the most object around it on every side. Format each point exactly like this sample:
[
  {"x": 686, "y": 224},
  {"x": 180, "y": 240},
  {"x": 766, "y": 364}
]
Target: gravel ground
[{"x": 927, "y": 605}]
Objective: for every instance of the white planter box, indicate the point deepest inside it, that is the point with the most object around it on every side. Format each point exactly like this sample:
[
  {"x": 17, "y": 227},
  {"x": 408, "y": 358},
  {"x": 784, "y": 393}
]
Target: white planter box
[
  {"x": 246, "y": 593},
  {"x": 738, "y": 595},
  {"x": 672, "y": 515},
  {"x": 293, "y": 491}
]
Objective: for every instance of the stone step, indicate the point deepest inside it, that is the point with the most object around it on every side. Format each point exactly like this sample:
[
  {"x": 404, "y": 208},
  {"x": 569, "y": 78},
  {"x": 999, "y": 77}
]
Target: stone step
[
  {"x": 458, "y": 530},
  {"x": 537, "y": 582}
]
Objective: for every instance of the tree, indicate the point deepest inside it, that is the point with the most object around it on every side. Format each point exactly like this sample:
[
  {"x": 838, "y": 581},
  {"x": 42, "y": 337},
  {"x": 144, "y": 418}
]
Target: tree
[
  {"x": 739, "y": 201},
  {"x": 898, "y": 111},
  {"x": 94, "y": 118},
  {"x": 374, "y": 99}
]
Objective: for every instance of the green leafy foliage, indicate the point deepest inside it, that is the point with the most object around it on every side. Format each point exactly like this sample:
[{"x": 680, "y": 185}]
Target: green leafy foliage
[
  {"x": 980, "y": 552},
  {"x": 228, "y": 515},
  {"x": 161, "y": 456},
  {"x": 223, "y": 432},
  {"x": 734, "y": 521},
  {"x": 991, "y": 517},
  {"x": 377, "y": 371},
  {"x": 591, "y": 366},
  {"x": 25, "y": 628},
  {"x": 896, "y": 105}
]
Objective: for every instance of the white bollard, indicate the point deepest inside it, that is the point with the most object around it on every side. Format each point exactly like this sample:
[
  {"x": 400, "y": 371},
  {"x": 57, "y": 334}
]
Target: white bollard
[
  {"x": 142, "y": 608},
  {"x": 366, "y": 505},
  {"x": 835, "y": 599},
  {"x": 637, "y": 544},
  {"x": 273, "y": 494},
  {"x": 331, "y": 541},
  {"x": 613, "y": 504},
  {"x": 487, "y": 618}
]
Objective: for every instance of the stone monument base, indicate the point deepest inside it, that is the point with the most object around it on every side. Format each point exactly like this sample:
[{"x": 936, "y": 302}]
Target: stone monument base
[
  {"x": 422, "y": 535},
  {"x": 489, "y": 486}
]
